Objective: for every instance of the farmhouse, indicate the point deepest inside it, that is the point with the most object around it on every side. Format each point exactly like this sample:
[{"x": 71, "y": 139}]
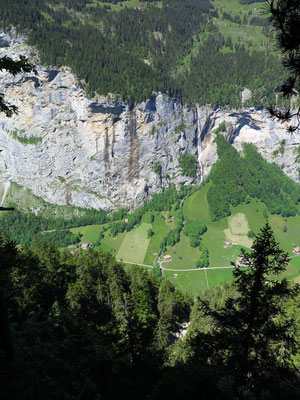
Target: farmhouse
[
  {"x": 228, "y": 244},
  {"x": 167, "y": 257},
  {"x": 296, "y": 250},
  {"x": 175, "y": 275},
  {"x": 85, "y": 246}
]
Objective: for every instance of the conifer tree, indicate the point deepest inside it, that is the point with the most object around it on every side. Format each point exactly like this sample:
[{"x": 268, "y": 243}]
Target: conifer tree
[
  {"x": 251, "y": 335},
  {"x": 285, "y": 16}
]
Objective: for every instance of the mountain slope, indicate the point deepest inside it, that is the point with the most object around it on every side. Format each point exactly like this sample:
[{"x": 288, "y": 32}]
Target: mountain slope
[
  {"x": 192, "y": 49},
  {"x": 69, "y": 149}
]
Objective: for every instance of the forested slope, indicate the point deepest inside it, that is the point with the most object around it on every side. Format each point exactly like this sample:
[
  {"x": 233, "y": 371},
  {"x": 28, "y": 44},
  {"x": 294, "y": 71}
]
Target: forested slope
[
  {"x": 81, "y": 326},
  {"x": 173, "y": 46},
  {"x": 238, "y": 177}
]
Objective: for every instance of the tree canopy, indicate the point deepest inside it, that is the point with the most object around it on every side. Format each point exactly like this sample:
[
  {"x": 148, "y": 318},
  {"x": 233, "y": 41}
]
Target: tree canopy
[
  {"x": 234, "y": 177},
  {"x": 13, "y": 67},
  {"x": 112, "y": 328},
  {"x": 170, "y": 46},
  {"x": 285, "y": 16},
  {"x": 251, "y": 336}
]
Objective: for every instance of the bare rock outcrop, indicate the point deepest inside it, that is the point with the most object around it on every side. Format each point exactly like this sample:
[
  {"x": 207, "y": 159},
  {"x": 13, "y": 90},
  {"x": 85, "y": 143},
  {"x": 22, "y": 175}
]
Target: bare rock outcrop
[{"x": 94, "y": 153}]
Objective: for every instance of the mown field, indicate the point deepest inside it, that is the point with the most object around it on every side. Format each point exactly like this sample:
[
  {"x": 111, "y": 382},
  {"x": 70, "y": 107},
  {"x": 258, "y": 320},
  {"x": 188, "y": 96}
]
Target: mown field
[
  {"x": 192, "y": 282},
  {"x": 135, "y": 244},
  {"x": 160, "y": 227},
  {"x": 295, "y": 264},
  {"x": 136, "y": 247}
]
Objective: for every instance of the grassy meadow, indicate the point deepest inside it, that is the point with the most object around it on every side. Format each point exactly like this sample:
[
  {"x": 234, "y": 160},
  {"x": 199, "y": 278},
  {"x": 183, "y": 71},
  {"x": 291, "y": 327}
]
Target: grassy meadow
[
  {"x": 160, "y": 229},
  {"x": 183, "y": 255},
  {"x": 90, "y": 233},
  {"x": 251, "y": 36},
  {"x": 237, "y": 230},
  {"x": 192, "y": 282},
  {"x": 135, "y": 244},
  {"x": 136, "y": 247}
]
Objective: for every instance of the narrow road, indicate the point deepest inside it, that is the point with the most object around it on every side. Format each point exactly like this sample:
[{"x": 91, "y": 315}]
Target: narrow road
[
  {"x": 133, "y": 263},
  {"x": 183, "y": 270},
  {"x": 196, "y": 269},
  {"x": 173, "y": 270}
]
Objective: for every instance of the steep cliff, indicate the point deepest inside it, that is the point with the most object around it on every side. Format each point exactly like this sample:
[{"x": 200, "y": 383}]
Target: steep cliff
[{"x": 69, "y": 149}]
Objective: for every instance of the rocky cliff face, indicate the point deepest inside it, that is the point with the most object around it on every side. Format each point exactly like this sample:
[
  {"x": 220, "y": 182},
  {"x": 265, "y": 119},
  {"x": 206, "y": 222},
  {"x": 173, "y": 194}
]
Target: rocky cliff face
[{"x": 69, "y": 149}]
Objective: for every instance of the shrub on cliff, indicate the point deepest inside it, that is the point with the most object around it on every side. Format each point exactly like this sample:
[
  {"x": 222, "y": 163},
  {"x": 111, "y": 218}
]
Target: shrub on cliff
[{"x": 188, "y": 165}]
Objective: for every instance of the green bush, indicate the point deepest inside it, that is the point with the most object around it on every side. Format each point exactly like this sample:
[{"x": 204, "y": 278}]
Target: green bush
[
  {"x": 150, "y": 233},
  {"x": 157, "y": 168},
  {"x": 25, "y": 140},
  {"x": 220, "y": 128},
  {"x": 203, "y": 261},
  {"x": 194, "y": 230},
  {"x": 179, "y": 128},
  {"x": 188, "y": 165}
]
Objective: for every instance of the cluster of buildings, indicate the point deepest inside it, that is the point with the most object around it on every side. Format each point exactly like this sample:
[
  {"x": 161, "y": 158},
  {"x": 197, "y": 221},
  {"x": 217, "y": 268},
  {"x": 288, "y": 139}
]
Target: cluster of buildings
[
  {"x": 166, "y": 257},
  {"x": 83, "y": 246},
  {"x": 228, "y": 244}
]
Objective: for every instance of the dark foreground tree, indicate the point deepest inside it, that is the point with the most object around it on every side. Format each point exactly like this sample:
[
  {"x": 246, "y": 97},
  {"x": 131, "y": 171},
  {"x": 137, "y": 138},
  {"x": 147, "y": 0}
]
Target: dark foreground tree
[
  {"x": 13, "y": 67},
  {"x": 251, "y": 337},
  {"x": 285, "y": 16}
]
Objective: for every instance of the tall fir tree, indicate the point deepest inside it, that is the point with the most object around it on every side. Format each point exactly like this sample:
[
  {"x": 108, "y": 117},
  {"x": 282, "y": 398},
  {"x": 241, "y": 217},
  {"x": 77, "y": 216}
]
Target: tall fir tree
[{"x": 251, "y": 335}]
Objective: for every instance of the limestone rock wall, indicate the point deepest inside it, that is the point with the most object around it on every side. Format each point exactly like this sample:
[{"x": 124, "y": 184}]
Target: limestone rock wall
[{"x": 69, "y": 149}]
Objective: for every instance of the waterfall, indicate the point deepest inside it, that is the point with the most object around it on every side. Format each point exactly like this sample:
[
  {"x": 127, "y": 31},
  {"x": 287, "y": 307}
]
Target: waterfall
[
  {"x": 6, "y": 187},
  {"x": 199, "y": 143}
]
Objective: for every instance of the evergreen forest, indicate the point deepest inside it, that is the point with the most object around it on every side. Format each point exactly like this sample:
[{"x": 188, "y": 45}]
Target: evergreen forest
[
  {"x": 173, "y": 46},
  {"x": 83, "y": 326},
  {"x": 238, "y": 177}
]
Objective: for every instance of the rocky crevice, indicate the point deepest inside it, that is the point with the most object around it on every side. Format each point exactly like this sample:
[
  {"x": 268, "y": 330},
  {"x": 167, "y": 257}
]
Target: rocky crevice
[
  {"x": 134, "y": 167},
  {"x": 106, "y": 148}
]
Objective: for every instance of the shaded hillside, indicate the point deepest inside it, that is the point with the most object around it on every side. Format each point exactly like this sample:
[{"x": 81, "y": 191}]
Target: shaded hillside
[{"x": 111, "y": 329}]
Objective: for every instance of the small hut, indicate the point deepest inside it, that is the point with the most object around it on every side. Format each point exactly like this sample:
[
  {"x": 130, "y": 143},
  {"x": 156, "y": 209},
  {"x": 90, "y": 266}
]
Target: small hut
[{"x": 85, "y": 246}]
